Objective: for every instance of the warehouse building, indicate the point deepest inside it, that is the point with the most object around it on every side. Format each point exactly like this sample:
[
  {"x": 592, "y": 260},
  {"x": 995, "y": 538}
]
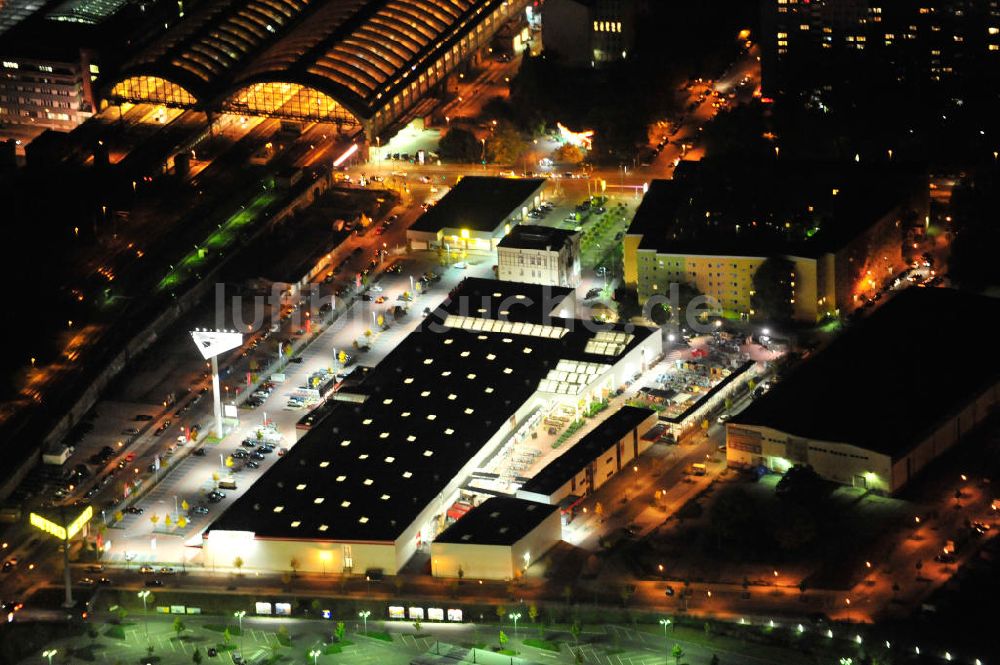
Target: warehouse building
[
  {"x": 371, "y": 484},
  {"x": 598, "y": 456},
  {"x": 842, "y": 227},
  {"x": 884, "y": 400},
  {"x": 539, "y": 255},
  {"x": 497, "y": 540},
  {"x": 476, "y": 213}
]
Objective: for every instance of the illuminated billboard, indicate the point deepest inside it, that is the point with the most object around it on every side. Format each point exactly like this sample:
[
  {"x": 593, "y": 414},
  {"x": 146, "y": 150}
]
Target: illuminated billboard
[
  {"x": 213, "y": 342},
  {"x": 59, "y": 531}
]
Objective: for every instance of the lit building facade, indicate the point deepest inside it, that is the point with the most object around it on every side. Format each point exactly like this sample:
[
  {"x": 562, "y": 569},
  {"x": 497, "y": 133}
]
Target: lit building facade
[
  {"x": 539, "y": 255},
  {"x": 362, "y": 65},
  {"x": 678, "y": 236},
  {"x": 46, "y": 94}
]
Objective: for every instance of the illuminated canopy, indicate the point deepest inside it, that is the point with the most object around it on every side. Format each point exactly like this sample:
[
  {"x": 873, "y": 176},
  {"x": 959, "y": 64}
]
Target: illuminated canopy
[{"x": 58, "y": 530}]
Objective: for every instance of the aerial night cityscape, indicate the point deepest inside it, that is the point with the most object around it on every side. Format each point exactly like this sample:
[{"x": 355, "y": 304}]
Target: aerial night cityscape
[{"x": 500, "y": 332}]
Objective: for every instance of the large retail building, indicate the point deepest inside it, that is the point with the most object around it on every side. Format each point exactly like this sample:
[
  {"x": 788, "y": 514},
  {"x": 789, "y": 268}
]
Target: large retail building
[
  {"x": 372, "y": 483},
  {"x": 882, "y": 401}
]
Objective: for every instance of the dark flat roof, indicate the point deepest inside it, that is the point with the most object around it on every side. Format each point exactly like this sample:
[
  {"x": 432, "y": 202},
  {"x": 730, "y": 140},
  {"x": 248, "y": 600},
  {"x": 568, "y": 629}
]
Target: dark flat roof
[
  {"x": 478, "y": 203},
  {"x": 530, "y": 236},
  {"x": 366, "y": 471},
  {"x": 888, "y": 381},
  {"x": 512, "y": 301},
  {"x": 767, "y": 207},
  {"x": 559, "y": 471},
  {"x": 499, "y": 520}
]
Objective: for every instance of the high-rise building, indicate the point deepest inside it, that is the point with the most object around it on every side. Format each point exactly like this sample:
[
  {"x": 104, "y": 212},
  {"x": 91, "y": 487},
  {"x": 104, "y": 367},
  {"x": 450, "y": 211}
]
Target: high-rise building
[
  {"x": 49, "y": 60},
  {"x": 589, "y": 32},
  {"x": 933, "y": 40}
]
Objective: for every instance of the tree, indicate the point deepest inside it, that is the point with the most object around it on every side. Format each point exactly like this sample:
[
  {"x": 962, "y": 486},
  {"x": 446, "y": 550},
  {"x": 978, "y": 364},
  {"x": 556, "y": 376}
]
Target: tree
[
  {"x": 533, "y": 612},
  {"x": 461, "y": 574},
  {"x": 417, "y": 625},
  {"x": 628, "y": 303},
  {"x": 501, "y": 613},
  {"x": 339, "y": 631},
  {"x": 677, "y": 653},
  {"x": 179, "y": 626},
  {"x": 227, "y": 637},
  {"x": 503, "y": 639},
  {"x": 294, "y": 565},
  {"x": 715, "y": 660},
  {"x": 568, "y": 153},
  {"x": 283, "y": 635},
  {"x": 575, "y": 629},
  {"x": 773, "y": 293},
  {"x": 625, "y": 593},
  {"x": 733, "y": 519},
  {"x": 238, "y": 563},
  {"x": 568, "y": 593},
  {"x": 460, "y": 145},
  {"x": 196, "y": 656},
  {"x": 504, "y": 145}
]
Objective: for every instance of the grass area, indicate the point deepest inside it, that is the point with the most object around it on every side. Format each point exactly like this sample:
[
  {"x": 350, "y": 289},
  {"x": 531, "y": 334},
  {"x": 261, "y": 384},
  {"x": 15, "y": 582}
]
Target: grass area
[
  {"x": 539, "y": 643},
  {"x": 379, "y": 635},
  {"x": 336, "y": 647},
  {"x": 220, "y": 628},
  {"x": 507, "y": 652},
  {"x": 226, "y": 234},
  {"x": 116, "y": 632},
  {"x": 86, "y": 653}
]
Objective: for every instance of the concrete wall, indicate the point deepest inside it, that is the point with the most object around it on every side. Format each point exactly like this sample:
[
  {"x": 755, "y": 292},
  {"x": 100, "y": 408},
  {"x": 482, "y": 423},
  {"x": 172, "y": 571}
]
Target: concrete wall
[
  {"x": 496, "y": 562},
  {"x": 877, "y": 250},
  {"x": 490, "y": 562},
  {"x": 222, "y": 547},
  {"x": 945, "y": 436},
  {"x": 537, "y": 542}
]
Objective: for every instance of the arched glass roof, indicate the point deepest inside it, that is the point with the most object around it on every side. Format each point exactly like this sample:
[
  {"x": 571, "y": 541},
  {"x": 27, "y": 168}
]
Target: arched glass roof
[
  {"x": 219, "y": 36},
  {"x": 359, "y": 53},
  {"x": 384, "y": 45}
]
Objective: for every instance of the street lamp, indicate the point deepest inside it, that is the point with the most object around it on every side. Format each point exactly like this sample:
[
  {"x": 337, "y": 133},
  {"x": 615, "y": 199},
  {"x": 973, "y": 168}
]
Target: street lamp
[
  {"x": 514, "y": 617},
  {"x": 48, "y": 653},
  {"x": 364, "y": 614},
  {"x": 314, "y": 654},
  {"x": 239, "y": 617},
  {"x": 665, "y": 623},
  {"x": 144, "y": 594}
]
